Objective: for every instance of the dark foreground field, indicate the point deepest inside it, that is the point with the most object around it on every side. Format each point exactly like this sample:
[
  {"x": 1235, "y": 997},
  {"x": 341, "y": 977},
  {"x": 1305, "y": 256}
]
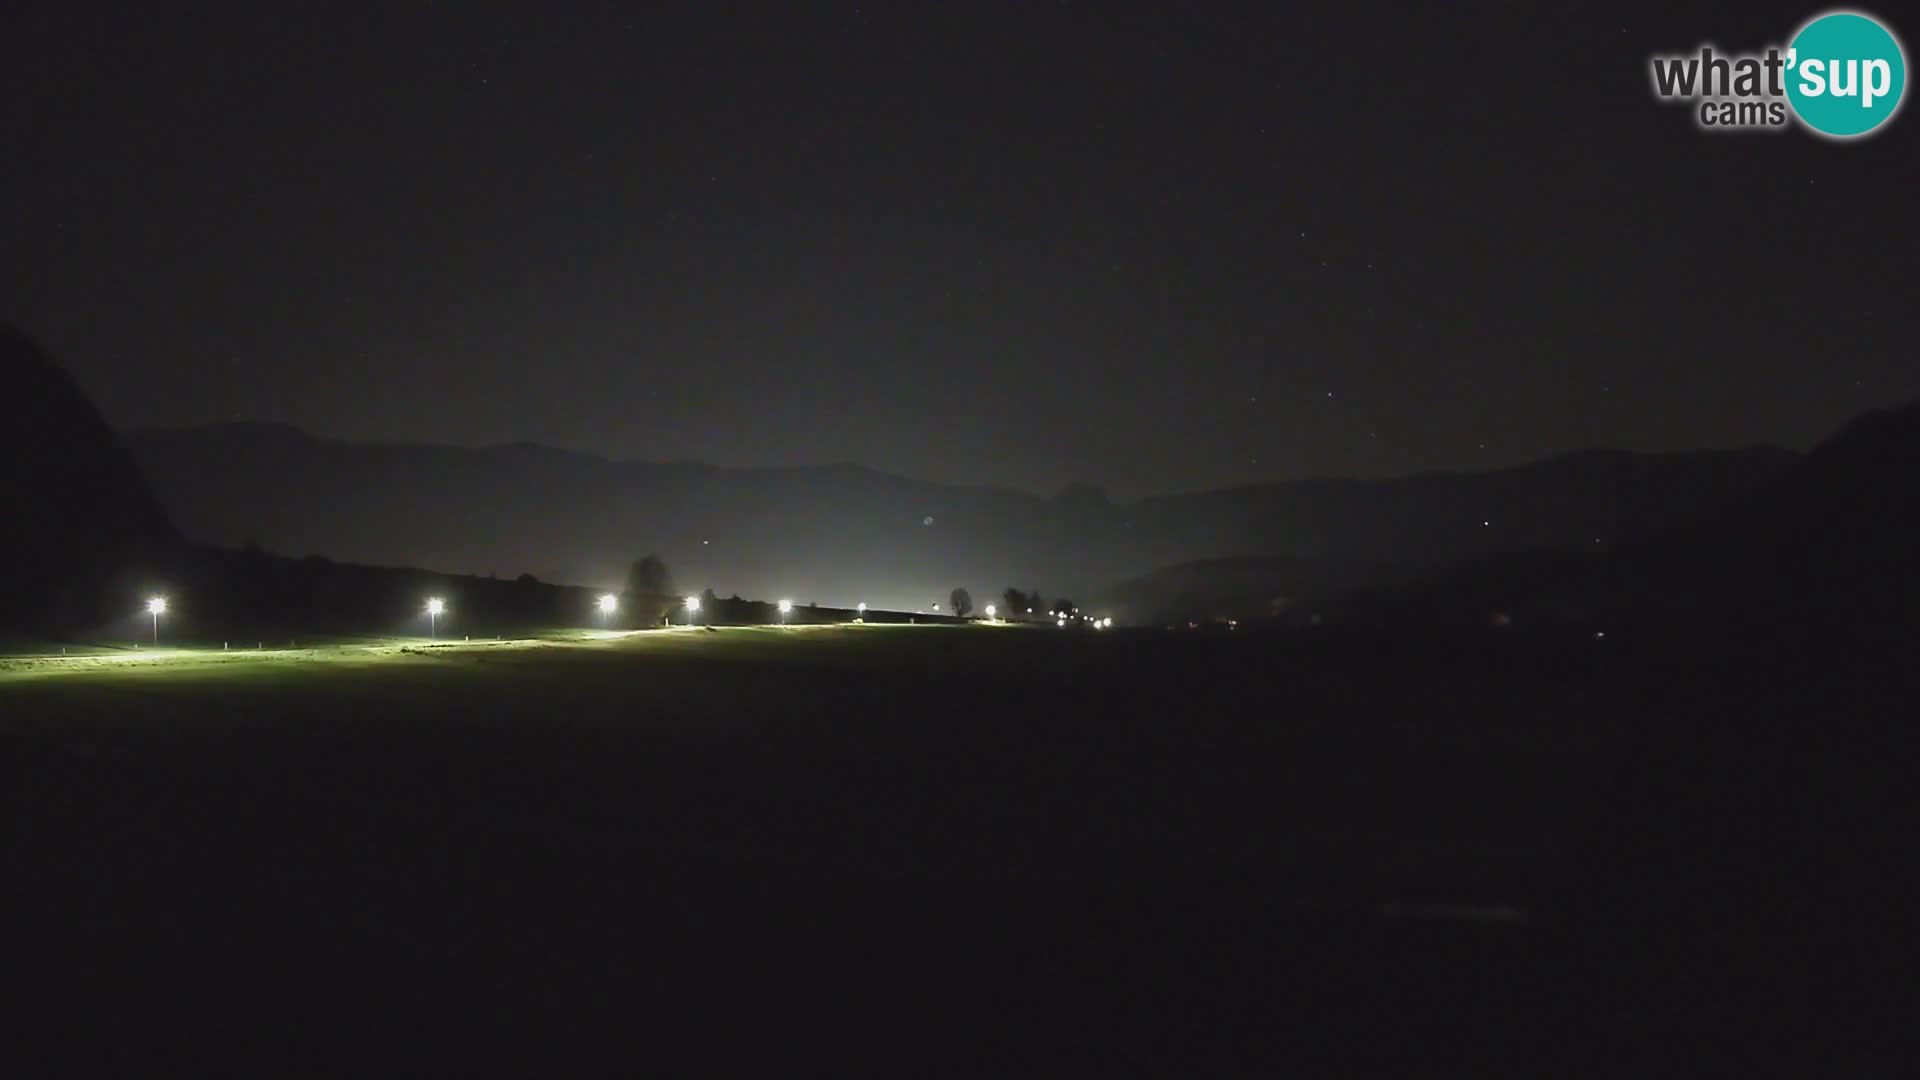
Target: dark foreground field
[{"x": 954, "y": 851}]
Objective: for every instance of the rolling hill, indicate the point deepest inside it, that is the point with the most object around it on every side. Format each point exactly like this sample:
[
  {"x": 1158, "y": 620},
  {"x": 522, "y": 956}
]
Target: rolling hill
[{"x": 843, "y": 533}]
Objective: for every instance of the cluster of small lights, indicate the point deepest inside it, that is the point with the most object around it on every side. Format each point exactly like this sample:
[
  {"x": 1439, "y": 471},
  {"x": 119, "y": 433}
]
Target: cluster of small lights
[{"x": 608, "y": 603}]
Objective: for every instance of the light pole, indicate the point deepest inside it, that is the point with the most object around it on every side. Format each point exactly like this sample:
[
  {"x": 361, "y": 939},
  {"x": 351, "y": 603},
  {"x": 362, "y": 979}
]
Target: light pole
[
  {"x": 693, "y": 608},
  {"x": 863, "y": 612},
  {"x": 785, "y": 606},
  {"x": 435, "y": 606},
  {"x": 990, "y": 610},
  {"x": 609, "y": 603},
  {"x": 157, "y": 607}
]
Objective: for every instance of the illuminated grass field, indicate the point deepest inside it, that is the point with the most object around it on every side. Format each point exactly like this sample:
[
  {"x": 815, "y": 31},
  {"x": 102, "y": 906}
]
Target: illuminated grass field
[
  {"x": 865, "y": 837},
  {"x": 277, "y": 656}
]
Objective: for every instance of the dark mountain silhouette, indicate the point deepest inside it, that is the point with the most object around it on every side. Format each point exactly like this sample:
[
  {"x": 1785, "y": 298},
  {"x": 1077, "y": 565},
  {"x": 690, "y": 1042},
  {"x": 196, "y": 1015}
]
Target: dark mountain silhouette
[
  {"x": 845, "y": 533},
  {"x": 1837, "y": 538},
  {"x": 1832, "y": 540},
  {"x": 79, "y": 518}
]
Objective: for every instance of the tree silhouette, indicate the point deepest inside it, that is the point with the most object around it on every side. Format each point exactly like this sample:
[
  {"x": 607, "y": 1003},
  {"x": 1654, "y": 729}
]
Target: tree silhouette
[
  {"x": 962, "y": 602},
  {"x": 1022, "y": 602},
  {"x": 650, "y": 591}
]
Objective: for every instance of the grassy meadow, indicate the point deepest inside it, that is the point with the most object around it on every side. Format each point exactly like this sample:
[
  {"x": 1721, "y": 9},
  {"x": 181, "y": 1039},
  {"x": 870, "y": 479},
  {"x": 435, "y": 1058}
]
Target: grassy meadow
[{"x": 975, "y": 847}]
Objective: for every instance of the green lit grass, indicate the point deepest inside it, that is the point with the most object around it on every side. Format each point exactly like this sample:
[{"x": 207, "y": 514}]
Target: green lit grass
[{"x": 35, "y": 660}]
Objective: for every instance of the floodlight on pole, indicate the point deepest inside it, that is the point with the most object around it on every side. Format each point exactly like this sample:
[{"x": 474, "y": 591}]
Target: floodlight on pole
[
  {"x": 863, "y": 611},
  {"x": 435, "y": 608},
  {"x": 785, "y": 607},
  {"x": 156, "y": 607},
  {"x": 608, "y": 604},
  {"x": 693, "y": 608},
  {"x": 990, "y": 611}
]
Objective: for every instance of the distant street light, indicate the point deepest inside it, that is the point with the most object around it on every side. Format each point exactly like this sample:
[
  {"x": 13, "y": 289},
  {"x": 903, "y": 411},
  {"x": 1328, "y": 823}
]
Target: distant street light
[
  {"x": 693, "y": 608},
  {"x": 157, "y": 607},
  {"x": 990, "y": 610},
  {"x": 863, "y": 611},
  {"x": 608, "y": 604},
  {"x": 785, "y": 606},
  {"x": 435, "y": 607}
]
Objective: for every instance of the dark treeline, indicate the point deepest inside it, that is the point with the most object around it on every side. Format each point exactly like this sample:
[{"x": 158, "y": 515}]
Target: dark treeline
[{"x": 251, "y": 596}]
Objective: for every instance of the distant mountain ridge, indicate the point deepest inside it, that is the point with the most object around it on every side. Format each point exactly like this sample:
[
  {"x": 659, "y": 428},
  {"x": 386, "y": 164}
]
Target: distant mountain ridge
[
  {"x": 846, "y": 533},
  {"x": 1834, "y": 539}
]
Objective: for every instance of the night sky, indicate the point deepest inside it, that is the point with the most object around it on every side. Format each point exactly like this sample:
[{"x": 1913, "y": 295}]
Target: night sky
[{"x": 1015, "y": 245}]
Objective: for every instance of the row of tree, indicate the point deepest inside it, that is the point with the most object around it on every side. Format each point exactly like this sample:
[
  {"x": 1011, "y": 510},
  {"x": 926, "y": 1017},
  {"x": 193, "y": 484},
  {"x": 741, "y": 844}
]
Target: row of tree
[
  {"x": 1029, "y": 602},
  {"x": 651, "y": 596},
  {"x": 1020, "y": 603}
]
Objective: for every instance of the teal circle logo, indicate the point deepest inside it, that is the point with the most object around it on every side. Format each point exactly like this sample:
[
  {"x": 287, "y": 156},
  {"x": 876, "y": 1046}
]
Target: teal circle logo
[{"x": 1846, "y": 74}]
